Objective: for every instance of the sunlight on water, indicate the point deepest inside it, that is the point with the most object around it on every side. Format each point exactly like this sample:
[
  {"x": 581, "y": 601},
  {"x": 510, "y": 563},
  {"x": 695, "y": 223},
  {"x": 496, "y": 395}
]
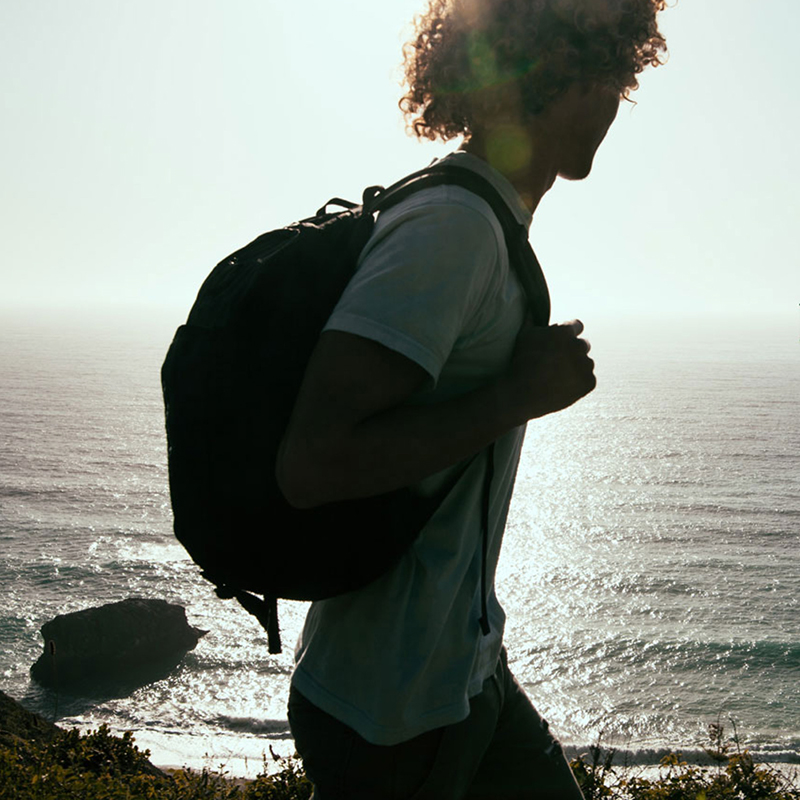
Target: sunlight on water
[
  {"x": 635, "y": 545},
  {"x": 650, "y": 572}
]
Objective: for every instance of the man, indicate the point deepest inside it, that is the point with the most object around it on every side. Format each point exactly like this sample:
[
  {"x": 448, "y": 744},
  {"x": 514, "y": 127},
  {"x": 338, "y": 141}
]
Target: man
[{"x": 399, "y": 690}]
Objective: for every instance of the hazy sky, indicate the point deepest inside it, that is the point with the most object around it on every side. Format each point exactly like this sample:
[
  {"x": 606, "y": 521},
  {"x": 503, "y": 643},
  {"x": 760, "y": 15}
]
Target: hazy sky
[{"x": 143, "y": 141}]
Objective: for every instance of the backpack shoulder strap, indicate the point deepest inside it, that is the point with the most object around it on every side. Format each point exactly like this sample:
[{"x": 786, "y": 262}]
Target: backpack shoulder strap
[{"x": 521, "y": 256}]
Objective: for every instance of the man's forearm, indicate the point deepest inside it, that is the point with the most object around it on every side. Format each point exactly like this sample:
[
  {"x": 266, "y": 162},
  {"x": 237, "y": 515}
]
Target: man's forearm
[
  {"x": 390, "y": 449},
  {"x": 353, "y": 433}
]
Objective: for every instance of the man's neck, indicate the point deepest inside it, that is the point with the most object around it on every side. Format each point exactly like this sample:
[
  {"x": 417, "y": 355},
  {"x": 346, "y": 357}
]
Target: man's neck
[{"x": 532, "y": 172}]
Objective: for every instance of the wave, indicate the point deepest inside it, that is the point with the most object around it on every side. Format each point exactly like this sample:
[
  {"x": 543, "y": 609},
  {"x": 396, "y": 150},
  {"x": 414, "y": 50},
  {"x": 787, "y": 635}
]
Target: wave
[
  {"x": 270, "y": 728},
  {"x": 696, "y": 756},
  {"x": 753, "y": 654},
  {"x": 682, "y": 656},
  {"x": 210, "y": 660}
]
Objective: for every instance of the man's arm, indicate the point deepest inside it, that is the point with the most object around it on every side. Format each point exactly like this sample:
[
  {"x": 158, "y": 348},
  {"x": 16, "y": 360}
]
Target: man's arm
[{"x": 352, "y": 435}]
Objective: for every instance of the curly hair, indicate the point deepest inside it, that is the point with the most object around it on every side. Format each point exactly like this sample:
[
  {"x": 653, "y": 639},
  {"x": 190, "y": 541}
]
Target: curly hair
[{"x": 472, "y": 60}]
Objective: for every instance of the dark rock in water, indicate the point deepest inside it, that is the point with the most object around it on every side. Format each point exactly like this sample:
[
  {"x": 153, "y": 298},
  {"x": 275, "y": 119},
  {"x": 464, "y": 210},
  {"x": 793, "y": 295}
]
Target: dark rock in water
[{"x": 135, "y": 639}]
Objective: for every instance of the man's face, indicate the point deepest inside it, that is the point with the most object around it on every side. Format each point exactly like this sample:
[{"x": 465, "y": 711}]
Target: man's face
[{"x": 578, "y": 121}]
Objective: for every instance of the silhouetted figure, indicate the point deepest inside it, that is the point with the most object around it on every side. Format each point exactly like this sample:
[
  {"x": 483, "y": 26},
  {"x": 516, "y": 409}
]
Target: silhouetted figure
[{"x": 402, "y": 689}]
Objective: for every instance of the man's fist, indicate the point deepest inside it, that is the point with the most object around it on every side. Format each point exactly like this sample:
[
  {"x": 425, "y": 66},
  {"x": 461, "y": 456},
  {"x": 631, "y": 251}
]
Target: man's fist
[{"x": 550, "y": 369}]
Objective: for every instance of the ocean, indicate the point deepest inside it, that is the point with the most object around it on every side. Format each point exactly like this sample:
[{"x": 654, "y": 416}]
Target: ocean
[{"x": 650, "y": 573}]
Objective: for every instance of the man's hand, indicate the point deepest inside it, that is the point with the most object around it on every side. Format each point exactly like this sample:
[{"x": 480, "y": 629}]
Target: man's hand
[{"x": 550, "y": 369}]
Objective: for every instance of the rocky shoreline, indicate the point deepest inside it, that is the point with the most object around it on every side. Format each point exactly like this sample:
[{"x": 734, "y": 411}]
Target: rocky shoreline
[{"x": 19, "y": 727}]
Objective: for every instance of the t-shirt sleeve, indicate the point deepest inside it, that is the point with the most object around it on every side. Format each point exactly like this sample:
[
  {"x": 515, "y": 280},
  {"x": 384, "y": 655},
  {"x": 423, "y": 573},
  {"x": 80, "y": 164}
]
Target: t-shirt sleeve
[{"x": 421, "y": 281}]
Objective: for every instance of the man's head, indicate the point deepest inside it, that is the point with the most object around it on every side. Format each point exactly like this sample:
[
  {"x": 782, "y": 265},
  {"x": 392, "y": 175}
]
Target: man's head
[{"x": 477, "y": 63}]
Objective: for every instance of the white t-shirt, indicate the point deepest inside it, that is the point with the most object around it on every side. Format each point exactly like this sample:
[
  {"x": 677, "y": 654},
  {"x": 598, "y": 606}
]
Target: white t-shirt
[{"x": 404, "y": 654}]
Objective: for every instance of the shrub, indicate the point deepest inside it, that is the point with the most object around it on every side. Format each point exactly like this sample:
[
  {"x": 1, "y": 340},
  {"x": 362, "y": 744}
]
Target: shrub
[
  {"x": 100, "y": 766},
  {"x": 736, "y": 776},
  {"x": 290, "y": 783}
]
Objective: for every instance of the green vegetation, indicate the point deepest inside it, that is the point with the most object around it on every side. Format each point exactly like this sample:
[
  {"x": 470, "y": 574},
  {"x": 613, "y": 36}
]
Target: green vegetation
[
  {"x": 99, "y": 766},
  {"x": 735, "y": 776}
]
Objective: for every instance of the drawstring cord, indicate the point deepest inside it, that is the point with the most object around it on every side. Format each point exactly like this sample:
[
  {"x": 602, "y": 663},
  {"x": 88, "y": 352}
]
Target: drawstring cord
[{"x": 487, "y": 488}]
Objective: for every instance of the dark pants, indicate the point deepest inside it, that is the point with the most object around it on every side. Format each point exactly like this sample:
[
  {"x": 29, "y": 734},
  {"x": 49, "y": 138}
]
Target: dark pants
[{"x": 502, "y": 751}]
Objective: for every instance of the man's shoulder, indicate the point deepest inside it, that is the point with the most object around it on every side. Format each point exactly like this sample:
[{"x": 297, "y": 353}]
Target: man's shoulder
[
  {"x": 452, "y": 206},
  {"x": 446, "y": 205}
]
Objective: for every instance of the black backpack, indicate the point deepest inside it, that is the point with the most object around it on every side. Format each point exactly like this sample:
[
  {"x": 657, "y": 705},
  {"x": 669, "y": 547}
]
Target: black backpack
[{"x": 230, "y": 379}]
